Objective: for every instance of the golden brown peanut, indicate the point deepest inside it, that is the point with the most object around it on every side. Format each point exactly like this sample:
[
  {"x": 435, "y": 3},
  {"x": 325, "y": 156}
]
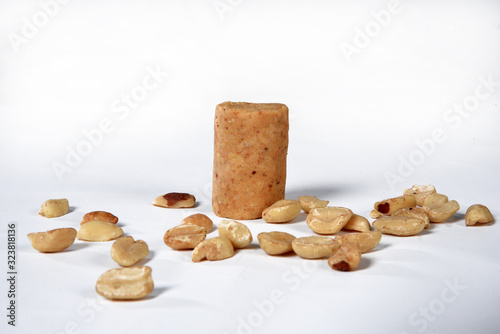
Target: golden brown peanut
[
  {"x": 443, "y": 212},
  {"x": 127, "y": 252},
  {"x": 400, "y": 226},
  {"x": 102, "y": 216},
  {"x": 415, "y": 213},
  {"x": 184, "y": 236},
  {"x": 54, "y": 208},
  {"x": 239, "y": 235},
  {"x": 214, "y": 249},
  {"x": 99, "y": 231},
  {"x": 375, "y": 214},
  {"x": 52, "y": 241},
  {"x": 311, "y": 202},
  {"x": 365, "y": 240},
  {"x": 358, "y": 223},
  {"x": 282, "y": 211},
  {"x": 388, "y": 206},
  {"x": 199, "y": 219},
  {"x": 329, "y": 220},
  {"x": 478, "y": 213},
  {"x": 314, "y": 247},
  {"x": 346, "y": 257},
  {"x": 420, "y": 192},
  {"x": 275, "y": 243},
  {"x": 175, "y": 200},
  {"x": 125, "y": 283},
  {"x": 434, "y": 201}
]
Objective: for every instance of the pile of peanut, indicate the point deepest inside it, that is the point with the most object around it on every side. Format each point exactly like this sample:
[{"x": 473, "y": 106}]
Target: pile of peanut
[{"x": 406, "y": 215}]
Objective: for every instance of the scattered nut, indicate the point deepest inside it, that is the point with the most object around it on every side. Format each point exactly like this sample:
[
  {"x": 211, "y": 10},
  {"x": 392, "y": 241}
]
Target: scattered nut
[
  {"x": 358, "y": 223},
  {"x": 184, "y": 236},
  {"x": 214, "y": 249},
  {"x": 388, "y": 206},
  {"x": 102, "y": 216},
  {"x": 346, "y": 257},
  {"x": 99, "y": 231},
  {"x": 125, "y": 283},
  {"x": 365, "y": 240},
  {"x": 282, "y": 211},
  {"x": 52, "y": 241},
  {"x": 175, "y": 200},
  {"x": 443, "y": 212},
  {"x": 239, "y": 235},
  {"x": 434, "y": 200},
  {"x": 329, "y": 220},
  {"x": 375, "y": 214},
  {"x": 400, "y": 226},
  {"x": 478, "y": 213},
  {"x": 315, "y": 247},
  {"x": 311, "y": 202},
  {"x": 275, "y": 243},
  {"x": 54, "y": 208},
  {"x": 420, "y": 192},
  {"x": 199, "y": 219},
  {"x": 415, "y": 213},
  {"x": 127, "y": 252}
]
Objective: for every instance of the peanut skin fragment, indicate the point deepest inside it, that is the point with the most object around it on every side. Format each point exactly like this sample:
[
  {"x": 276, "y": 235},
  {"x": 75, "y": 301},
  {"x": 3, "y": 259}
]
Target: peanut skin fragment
[{"x": 175, "y": 200}]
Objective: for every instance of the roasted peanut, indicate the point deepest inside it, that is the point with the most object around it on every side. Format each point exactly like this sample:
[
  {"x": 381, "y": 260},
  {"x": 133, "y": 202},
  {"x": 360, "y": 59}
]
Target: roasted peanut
[
  {"x": 239, "y": 235},
  {"x": 328, "y": 220},
  {"x": 358, "y": 223},
  {"x": 184, "y": 236},
  {"x": 125, "y": 283},
  {"x": 99, "y": 231},
  {"x": 275, "y": 243},
  {"x": 199, "y": 219},
  {"x": 478, "y": 213},
  {"x": 434, "y": 200},
  {"x": 175, "y": 200},
  {"x": 420, "y": 192},
  {"x": 54, "y": 208},
  {"x": 311, "y": 202},
  {"x": 365, "y": 240},
  {"x": 415, "y": 213},
  {"x": 282, "y": 211},
  {"x": 127, "y": 252},
  {"x": 443, "y": 212},
  {"x": 214, "y": 249},
  {"x": 400, "y": 226},
  {"x": 346, "y": 257},
  {"x": 314, "y": 247},
  {"x": 388, "y": 206},
  {"x": 102, "y": 216},
  {"x": 52, "y": 241},
  {"x": 375, "y": 214}
]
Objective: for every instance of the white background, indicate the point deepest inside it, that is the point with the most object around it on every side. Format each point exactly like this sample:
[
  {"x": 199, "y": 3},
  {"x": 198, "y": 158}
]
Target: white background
[{"x": 363, "y": 126}]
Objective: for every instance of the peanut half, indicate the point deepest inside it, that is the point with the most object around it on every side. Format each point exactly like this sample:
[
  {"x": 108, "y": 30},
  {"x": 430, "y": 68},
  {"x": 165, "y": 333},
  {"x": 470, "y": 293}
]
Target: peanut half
[
  {"x": 329, "y": 220},
  {"x": 54, "y": 208},
  {"x": 314, "y": 247},
  {"x": 415, "y": 213},
  {"x": 400, "y": 226},
  {"x": 282, "y": 211},
  {"x": 346, "y": 257},
  {"x": 99, "y": 231},
  {"x": 358, "y": 223},
  {"x": 127, "y": 252},
  {"x": 175, "y": 200},
  {"x": 52, "y": 241},
  {"x": 238, "y": 233},
  {"x": 198, "y": 219},
  {"x": 434, "y": 201},
  {"x": 388, "y": 206},
  {"x": 275, "y": 243},
  {"x": 184, "y": 236},
  {"x": 125, "y": 283},
  {"x": 214, "y": 249},
  {"x": 311, "y": 202},
  {"x": 365, "y": 240},
  {"x": 102, "y": 216},
  {"x": 420, "y": 192},
  {"x": 443, "y": 212},
  {"x": 478, "y": 213}
]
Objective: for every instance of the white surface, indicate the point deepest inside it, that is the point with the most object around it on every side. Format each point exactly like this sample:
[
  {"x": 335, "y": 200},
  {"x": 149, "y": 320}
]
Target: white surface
[{"x": 351, "y": 124}]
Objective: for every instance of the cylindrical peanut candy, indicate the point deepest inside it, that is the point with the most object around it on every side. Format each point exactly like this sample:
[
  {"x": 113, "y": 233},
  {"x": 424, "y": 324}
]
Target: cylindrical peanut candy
[{"x": 250, "y": 148}]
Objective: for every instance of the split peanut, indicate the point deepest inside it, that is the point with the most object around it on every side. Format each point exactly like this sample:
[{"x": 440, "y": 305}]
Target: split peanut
[
  {"x": 184, "y": 236},
  {"x": 329, "y": 220},
  {"x": 444, "y": 212},
  {"x": 346, "y": 257},
  {"x": 400, "y": 226},
  {"x": 478, "y": 213},
  {"x": 414, "y": 213},
  {"x": 420, "y": 192},
  {"x": 282, "y": 211},
  {"x": 214, "y": 249},
  {"x": 358, "y": 223},
  {"x": 308, "y": 203},
  {"x": 388, "y": 206},
  {"x": 52, "y": 241},
  {"x": 99, "y": 231},
  {"x": 102, "y": 216},
  {"x": 175, "y": 200},
  {"x": 315, "y": 247},
  {"x": 125, "y": 283},
  {"x": 366, "y": 241},
  {"x": 198, "y": 219},
  {"x": 54, "y": 208},
  {"x": 275, "y": 243},
  {"x": 127, "y": 252},
  {"x": 236, "y": 232}
]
